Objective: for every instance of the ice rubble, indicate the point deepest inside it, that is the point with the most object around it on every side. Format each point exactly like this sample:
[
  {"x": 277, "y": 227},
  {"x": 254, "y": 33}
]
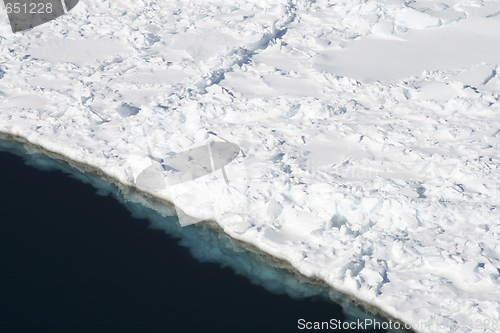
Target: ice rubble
[{"x": 369, "y": 131}]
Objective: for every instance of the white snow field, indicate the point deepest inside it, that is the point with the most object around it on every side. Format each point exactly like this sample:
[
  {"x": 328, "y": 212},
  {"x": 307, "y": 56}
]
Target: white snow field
[{"x": 369, "y": 131}]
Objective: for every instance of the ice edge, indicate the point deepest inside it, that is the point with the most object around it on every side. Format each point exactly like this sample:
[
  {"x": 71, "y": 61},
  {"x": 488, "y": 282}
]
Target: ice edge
[{"x": 211, "y": 224}]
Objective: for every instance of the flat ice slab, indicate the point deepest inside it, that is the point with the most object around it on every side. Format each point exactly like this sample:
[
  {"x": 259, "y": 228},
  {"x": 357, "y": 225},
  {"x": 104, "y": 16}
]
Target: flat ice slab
[{"x": 369, "y": 131}]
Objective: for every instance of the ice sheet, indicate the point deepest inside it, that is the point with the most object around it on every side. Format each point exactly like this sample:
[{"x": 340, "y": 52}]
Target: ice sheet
[{"x": 369, "y": 131}]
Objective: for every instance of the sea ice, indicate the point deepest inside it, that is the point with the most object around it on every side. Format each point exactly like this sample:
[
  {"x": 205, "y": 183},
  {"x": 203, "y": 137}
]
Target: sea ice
[{"x": 369, "y": 131}]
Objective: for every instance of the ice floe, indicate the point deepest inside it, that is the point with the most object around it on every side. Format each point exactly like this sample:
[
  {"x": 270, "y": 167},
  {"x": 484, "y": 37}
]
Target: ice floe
[{"x": 369, "y": 131}]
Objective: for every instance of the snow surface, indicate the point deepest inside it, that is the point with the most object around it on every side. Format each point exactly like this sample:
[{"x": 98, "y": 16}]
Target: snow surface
[{"x": 369, "y": 131}]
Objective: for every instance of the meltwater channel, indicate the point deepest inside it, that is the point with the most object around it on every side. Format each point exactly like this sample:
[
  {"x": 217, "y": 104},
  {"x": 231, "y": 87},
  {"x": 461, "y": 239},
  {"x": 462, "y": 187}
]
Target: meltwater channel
[{"x": 73, "y": 261}]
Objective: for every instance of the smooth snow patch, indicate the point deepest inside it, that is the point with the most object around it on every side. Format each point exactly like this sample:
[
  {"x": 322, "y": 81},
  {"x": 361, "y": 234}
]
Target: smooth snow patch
[{"x": 78, "y": 52}]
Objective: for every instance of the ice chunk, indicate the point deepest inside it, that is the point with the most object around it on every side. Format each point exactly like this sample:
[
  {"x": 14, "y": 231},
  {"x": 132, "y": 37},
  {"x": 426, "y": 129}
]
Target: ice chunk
[
  {"x": 127, "y": 110},
  {"x": 475, "y": 76}
]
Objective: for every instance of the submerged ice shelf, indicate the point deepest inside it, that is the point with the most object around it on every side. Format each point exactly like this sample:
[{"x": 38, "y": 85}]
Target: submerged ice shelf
[{"x": 369, "y": 132}]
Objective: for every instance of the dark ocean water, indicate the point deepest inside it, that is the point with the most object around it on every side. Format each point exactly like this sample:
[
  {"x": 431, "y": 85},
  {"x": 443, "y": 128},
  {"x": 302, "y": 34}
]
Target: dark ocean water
[{"x": 74, "y": 261}]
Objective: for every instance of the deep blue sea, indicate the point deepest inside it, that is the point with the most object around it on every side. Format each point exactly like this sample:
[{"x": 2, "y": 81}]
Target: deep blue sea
[{"x": 73, "y": 261}]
